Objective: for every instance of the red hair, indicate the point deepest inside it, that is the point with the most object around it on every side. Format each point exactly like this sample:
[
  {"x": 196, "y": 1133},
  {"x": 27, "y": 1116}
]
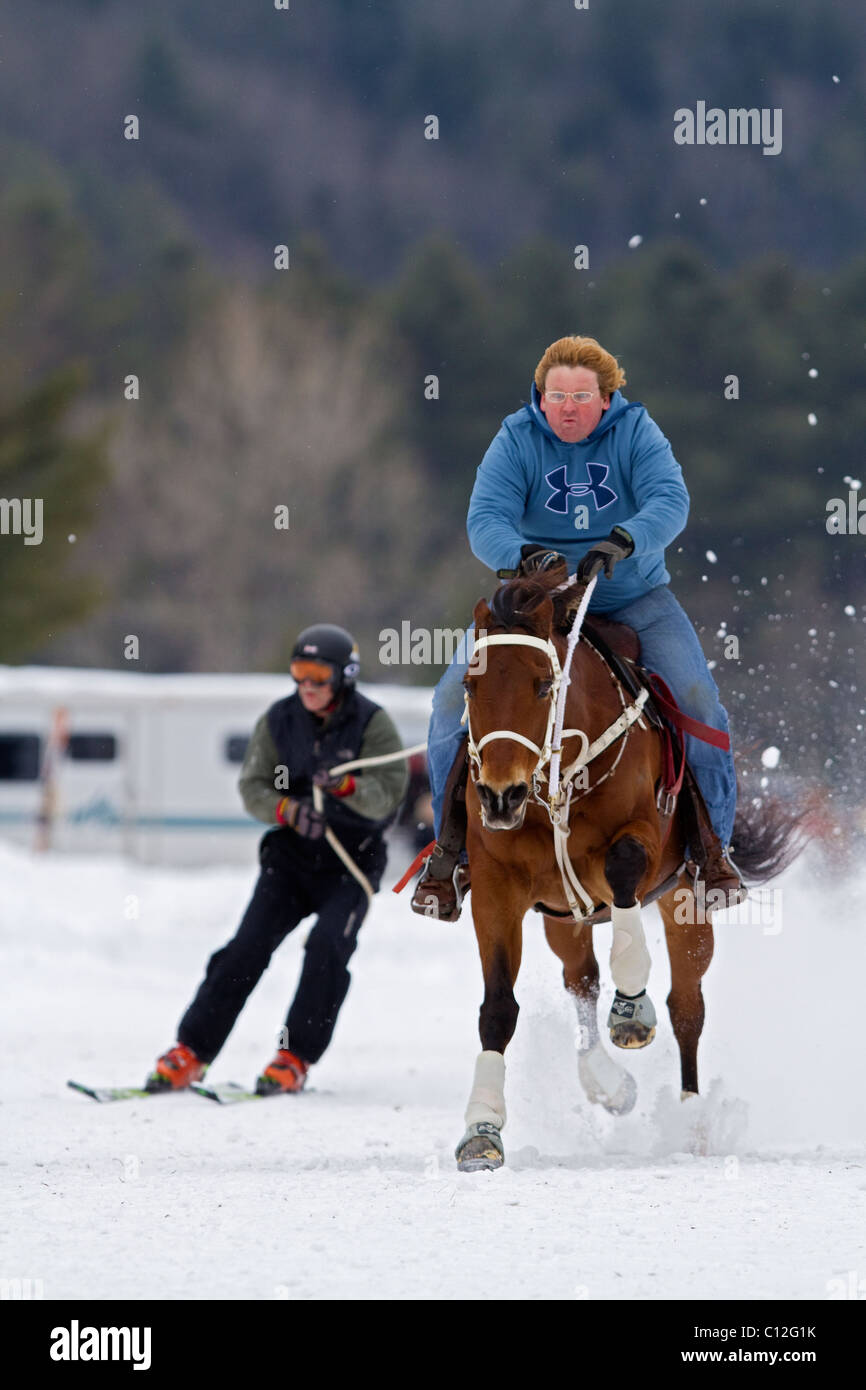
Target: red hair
[{"x": 582, "y": 352}]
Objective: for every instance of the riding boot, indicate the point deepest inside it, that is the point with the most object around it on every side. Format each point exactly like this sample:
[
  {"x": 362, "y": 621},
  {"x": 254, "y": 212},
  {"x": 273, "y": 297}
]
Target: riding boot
[
  {"x": 709, "y": 860},
  {"x": 444, "y": 882}
]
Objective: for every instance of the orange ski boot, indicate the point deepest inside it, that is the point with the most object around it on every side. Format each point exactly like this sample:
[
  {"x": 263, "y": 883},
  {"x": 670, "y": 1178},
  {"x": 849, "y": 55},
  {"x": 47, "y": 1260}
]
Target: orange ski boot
[
  {"x": 285, "y": 1073},
  {"x": 176, "y": 1069}
]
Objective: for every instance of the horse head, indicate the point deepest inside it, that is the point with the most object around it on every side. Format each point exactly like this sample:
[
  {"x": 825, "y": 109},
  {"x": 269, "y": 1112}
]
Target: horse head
[{"x": 511, "y": 687}]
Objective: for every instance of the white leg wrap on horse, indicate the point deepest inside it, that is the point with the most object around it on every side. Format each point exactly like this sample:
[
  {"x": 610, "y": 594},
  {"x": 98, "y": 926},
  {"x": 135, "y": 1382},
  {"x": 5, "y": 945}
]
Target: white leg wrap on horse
[
  {"x": 598, "y": 1072},
  {"x": 629, "y": 957},
  {"x": 487, "y": 1100}
]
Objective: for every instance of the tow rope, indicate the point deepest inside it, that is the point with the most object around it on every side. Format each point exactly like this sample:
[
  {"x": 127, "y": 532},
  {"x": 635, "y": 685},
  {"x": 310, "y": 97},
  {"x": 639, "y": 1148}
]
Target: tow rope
[{"x": 319, "y": 802}]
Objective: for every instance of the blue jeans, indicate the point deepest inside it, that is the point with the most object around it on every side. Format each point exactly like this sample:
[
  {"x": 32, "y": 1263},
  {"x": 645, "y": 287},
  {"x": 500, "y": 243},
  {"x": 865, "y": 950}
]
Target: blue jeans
[{"x": 669, "y": 646}]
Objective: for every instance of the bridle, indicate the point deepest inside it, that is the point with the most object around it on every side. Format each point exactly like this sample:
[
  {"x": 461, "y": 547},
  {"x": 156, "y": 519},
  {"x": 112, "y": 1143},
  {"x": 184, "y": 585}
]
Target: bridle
[
  {"x": 558, "y": 800},
  {"x": 545, "y": 750}
]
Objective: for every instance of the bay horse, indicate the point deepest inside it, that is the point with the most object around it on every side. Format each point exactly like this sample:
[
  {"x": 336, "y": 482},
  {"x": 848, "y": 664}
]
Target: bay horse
[{"x": 618, "y": 845}]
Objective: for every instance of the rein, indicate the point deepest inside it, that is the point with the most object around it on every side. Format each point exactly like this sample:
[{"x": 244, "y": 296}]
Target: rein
[{"x": 574, "y": 634}]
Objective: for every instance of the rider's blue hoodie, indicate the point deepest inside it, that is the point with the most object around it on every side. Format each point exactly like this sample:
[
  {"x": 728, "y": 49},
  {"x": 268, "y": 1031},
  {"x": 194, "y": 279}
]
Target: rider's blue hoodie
[{"x": 532, "y": 486}]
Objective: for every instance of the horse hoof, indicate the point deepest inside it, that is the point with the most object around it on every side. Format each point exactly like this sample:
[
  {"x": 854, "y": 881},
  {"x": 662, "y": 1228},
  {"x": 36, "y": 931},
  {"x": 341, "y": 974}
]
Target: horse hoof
[
  {"x": 605, "y": 1083},
  {"x": 632, "y": 1022},
  {"x": 480, "y": 1148},
  {"x": 631, "y": 1035},
  {"x": 624, "y": 1100}
]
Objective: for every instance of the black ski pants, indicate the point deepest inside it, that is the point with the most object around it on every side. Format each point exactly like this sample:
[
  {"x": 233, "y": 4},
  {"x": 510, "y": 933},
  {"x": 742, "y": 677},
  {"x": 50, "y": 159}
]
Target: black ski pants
[{"x": 297, "y": 878}]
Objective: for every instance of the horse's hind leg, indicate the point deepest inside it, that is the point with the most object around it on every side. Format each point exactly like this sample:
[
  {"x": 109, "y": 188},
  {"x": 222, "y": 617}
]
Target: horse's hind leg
[
  {"x": 690, "y": 947},
  {"x": 604, "y": 1082},
  {"x": 481, "y": 1145},
  {"x": 632, "y": 1018}
]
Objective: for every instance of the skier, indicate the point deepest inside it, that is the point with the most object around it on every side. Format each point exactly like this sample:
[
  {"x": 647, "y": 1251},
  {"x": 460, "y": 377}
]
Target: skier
[
  {"x": 326, "y": 722},
  {"x": 583, "y": 480}
]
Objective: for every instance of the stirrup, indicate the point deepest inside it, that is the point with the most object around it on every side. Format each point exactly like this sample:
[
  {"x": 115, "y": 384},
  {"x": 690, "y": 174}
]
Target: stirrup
[
  {"x": 441, "y": 898},
  {"x": 736, "y": 894}
]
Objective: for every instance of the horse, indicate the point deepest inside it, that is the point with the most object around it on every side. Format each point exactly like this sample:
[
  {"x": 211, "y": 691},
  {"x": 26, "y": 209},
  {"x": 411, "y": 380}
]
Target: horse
[{"x": 618, "y": 847}]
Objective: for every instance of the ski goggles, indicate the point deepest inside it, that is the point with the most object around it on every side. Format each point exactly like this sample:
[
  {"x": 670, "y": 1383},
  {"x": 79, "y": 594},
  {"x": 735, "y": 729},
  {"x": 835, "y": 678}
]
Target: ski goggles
[{"x": 319, "y": 672}]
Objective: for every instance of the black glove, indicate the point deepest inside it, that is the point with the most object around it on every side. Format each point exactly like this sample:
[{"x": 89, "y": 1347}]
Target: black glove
[
  {"x": 537, "y": 559},
  {"x": 604, "y": 555},
  {"x": 303, "y": 817},
  {"x": 329, "y": 783}
]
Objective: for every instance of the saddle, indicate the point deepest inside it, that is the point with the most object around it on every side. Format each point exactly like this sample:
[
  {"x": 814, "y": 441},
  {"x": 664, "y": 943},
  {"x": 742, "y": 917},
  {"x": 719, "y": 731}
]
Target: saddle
[
  {"x": 618, "y": 638},
  {"x": 620, "y": 647}
]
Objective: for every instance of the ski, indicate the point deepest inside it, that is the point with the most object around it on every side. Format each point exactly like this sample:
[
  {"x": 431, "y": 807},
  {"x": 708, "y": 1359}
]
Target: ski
[
  {"x": 107, "y": 1093},
  {"x": 229, "y": 1092}
]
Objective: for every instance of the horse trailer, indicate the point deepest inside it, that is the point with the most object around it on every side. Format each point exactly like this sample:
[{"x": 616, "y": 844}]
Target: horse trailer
[{"x": 143, "y": 765}]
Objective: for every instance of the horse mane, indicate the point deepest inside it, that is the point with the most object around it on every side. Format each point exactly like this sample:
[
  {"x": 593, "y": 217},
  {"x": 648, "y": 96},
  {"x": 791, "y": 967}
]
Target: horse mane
[{"x": 519, "y": 603}]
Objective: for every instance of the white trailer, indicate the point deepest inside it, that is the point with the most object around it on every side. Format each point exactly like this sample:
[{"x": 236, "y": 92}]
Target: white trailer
[{"x": 144, "y": 765}]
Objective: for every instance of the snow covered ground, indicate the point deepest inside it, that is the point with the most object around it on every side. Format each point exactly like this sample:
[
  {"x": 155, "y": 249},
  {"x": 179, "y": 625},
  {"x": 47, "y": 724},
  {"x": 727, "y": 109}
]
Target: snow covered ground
[{"x": 350, "y": 1190}]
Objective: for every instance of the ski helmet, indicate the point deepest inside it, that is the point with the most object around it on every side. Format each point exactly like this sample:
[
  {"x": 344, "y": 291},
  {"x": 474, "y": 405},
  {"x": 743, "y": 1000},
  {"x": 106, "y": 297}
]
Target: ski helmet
[{"x": 332, "y": 645}]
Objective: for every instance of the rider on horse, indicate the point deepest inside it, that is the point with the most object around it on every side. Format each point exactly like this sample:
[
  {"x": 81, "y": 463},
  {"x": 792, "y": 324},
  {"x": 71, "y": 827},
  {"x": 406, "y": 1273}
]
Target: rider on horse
[{"x": 583, "y": 479}]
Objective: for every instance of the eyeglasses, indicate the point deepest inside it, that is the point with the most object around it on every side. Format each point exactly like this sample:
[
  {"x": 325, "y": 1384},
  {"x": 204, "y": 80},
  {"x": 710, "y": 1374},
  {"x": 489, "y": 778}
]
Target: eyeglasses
[
  {"x": 581, "y": 397},
  {"x": 317, "y": 672}
]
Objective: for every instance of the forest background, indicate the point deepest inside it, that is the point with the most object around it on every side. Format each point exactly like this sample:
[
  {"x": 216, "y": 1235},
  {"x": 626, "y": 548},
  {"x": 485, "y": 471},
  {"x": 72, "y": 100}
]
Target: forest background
[{"x": 413, "y": 258}]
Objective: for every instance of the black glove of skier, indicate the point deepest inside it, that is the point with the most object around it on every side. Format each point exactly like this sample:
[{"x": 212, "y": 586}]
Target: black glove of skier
[
  {"x": 604, "y": 555},
  {"x": 338, "y": 786},
  {"x": 301, "y": 815}
]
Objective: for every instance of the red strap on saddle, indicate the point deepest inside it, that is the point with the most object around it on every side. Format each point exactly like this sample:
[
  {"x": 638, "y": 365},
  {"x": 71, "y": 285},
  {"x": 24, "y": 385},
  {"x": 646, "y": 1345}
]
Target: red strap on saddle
[
  {"x": 669, "y": 707},
  {"x": 413, "y": 867}
]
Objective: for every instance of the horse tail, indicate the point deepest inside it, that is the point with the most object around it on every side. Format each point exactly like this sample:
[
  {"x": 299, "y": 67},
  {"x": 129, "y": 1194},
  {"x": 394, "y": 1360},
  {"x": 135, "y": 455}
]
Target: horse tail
[{"x": 769, "y": 834}]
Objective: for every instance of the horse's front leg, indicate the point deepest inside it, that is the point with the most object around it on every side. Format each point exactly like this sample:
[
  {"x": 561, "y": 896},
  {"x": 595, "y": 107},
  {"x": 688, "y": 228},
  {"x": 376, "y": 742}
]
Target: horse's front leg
[
  {"x": 603, "y": 1080},
  {"x": 632, "y": 1018},
  {"x": 498, "y": 922}
]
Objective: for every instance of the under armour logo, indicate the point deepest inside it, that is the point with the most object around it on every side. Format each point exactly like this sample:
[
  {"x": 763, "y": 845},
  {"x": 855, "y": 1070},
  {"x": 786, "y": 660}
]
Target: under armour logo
[{"x": 563, "y": 489}]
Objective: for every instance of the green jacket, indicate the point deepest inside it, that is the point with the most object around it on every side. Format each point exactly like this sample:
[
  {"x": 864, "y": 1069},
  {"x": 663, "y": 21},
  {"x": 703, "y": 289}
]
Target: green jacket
[{"x": 378, "y": 790}]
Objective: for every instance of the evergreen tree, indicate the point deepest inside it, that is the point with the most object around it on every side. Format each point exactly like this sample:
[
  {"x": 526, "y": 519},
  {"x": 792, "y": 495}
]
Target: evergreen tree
[{"x": 59, "y": 474}]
